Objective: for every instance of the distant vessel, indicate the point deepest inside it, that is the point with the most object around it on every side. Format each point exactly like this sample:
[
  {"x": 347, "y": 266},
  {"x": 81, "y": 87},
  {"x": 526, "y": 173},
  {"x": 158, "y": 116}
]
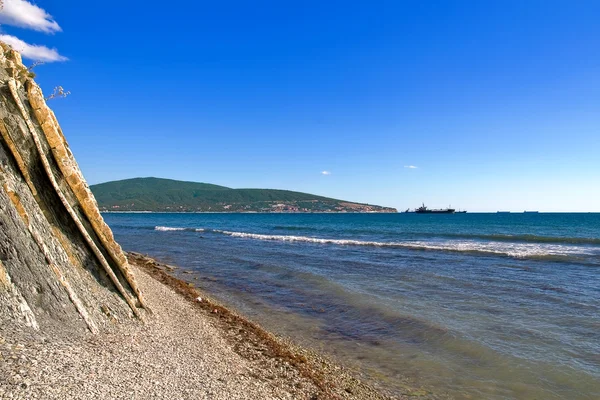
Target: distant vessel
[
  {"x": 502, "y": 212},
  {"x": 530, "y": 212},
  {"x": 424, "y": 210}
]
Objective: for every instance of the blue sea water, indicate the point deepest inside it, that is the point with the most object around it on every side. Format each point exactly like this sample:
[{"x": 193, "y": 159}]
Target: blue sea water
[{"x": 481, "y": 306}]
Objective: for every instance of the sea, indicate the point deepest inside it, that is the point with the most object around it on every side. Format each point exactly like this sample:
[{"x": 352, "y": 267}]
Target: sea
[{"x": 463, "y": 306}]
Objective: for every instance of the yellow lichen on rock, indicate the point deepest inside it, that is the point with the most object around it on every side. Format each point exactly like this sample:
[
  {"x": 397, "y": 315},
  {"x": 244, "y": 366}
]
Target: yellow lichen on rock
[
  {"x": 14, "y": 197},
  {"x": 21, "y": 164},
  {"x": 59, "y": 256},
  {"x": 73, "y": 215},
  {"x": 14, "y": 64},
  {"x": 74, "y": 178}
]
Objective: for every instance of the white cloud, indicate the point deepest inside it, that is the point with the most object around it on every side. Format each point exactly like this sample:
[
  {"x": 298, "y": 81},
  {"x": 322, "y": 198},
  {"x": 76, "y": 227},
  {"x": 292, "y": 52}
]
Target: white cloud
[
  {"x": 410, "y": 167},
  {"x": 32, "y": 51},
  {"x": 23, "y": 14},
  {"x": 325, "y": 173}
]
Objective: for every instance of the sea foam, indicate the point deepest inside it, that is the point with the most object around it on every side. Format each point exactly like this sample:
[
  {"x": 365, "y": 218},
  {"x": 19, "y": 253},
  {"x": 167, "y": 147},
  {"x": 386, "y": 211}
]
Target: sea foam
[
  {"x": 169, "y": 228},
  {"x": 516, "y": 250},
  {"x": 551, "y": 251}
]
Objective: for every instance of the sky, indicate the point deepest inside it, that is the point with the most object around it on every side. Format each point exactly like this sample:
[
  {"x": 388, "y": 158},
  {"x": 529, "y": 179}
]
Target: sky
[{"x": 481, "y": 105}]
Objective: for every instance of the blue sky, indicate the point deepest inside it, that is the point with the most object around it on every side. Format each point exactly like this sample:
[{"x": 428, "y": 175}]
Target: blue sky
[{"x": 496, "y": 104}]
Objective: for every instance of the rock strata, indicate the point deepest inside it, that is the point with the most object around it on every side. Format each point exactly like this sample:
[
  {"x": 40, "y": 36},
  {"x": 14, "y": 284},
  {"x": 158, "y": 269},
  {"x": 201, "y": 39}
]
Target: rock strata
[{"x": 59, "y": 263}]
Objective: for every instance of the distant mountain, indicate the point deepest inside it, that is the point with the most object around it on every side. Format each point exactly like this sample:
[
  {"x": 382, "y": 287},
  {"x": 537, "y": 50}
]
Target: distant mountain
[{"x": 155, "y": 194}]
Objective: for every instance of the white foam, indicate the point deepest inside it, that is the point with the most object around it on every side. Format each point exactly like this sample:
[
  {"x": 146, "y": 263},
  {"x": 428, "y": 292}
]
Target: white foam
[
  {"x": 511, "y": 249},
  {"x": 169, "y": 228},
  {"x": 290, "y": 238},
  {"x": 518, "y": 250}
]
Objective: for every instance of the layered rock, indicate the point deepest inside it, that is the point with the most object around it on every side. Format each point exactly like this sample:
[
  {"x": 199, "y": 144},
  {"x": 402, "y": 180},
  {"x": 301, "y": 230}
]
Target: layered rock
[{"x": 59, "y": 262}]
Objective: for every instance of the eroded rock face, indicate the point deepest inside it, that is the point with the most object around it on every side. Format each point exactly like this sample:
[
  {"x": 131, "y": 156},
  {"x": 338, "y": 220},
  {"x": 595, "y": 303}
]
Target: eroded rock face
[{"x": 59, "y": 262}]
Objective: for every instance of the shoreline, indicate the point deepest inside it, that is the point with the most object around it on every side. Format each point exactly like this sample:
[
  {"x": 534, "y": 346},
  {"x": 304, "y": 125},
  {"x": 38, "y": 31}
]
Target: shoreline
[
  {"x": 338, "y": 212},
  {"x": 332, "y": 380},
  {"x": 185, "y": 348},
  {"x": 248, "y": 212}
]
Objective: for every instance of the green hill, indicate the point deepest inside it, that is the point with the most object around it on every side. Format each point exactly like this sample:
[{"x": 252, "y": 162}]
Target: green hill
[{"x": 155, "y": 194}]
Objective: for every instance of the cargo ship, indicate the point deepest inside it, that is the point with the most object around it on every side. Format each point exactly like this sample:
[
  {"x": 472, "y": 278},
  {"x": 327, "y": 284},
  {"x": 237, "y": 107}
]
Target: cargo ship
[{"x": 424, "y": 210}]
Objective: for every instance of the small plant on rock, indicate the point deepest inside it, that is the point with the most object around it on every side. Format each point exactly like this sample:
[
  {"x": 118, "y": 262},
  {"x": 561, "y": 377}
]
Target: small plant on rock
[{"x": 58, "y": 92}]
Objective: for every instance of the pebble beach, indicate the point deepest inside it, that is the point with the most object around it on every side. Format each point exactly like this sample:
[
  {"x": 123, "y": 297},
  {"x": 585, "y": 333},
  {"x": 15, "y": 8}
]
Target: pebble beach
[{"x": 188, "y": 347}]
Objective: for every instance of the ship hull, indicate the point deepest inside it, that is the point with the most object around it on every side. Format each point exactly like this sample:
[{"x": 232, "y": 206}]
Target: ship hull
[{"x": 450, "y": 211}]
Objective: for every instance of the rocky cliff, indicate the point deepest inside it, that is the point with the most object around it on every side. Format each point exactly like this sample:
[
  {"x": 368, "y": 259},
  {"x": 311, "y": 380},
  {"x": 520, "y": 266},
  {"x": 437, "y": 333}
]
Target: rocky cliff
[{"x": 59, "y": 263}]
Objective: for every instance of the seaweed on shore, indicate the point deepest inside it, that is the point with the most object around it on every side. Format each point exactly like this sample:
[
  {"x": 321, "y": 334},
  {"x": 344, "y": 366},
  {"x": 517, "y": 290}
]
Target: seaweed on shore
[{"x": 253, "y": 342}]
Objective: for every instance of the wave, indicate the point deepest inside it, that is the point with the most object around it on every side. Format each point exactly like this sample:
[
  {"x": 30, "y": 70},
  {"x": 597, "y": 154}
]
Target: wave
[
  {"x": 527, "y": 238},
  {"x": 168, "y": 228},
  {"x": 533, "y": 251},
  {"x": 514, "y": 250},
  {"x": 516, "y": 238}
]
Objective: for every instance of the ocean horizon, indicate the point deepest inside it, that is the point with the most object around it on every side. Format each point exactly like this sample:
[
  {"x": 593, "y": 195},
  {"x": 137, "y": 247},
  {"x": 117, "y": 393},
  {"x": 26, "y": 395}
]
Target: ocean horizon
[{"x": 476, "y": 305}]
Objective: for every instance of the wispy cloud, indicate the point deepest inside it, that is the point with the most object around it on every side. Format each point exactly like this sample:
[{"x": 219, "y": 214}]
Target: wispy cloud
[
  {"x": 32, "y": 51},
  {"x": 23, "y": 14},
  {"x": 325, "y": 172},
  {"x": 410, "y": 167}
]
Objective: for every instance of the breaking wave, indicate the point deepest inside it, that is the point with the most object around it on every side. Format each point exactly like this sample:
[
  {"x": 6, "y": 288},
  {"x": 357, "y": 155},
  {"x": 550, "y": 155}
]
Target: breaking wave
[
  {"x": 518, "y": 238},
  {"x": 522, "y": 250},
  {"x": 515, "y": 250},
  {"x": 168, "y": 228}
]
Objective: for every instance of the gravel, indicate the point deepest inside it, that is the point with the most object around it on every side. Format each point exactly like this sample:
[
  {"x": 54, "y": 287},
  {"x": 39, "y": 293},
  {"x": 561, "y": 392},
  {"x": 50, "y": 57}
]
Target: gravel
[{"x": 181, "y": 351}]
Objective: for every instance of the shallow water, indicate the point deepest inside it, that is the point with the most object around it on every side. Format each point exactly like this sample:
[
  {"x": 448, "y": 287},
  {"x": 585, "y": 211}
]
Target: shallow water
[{"x": 495, "y": 306}]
